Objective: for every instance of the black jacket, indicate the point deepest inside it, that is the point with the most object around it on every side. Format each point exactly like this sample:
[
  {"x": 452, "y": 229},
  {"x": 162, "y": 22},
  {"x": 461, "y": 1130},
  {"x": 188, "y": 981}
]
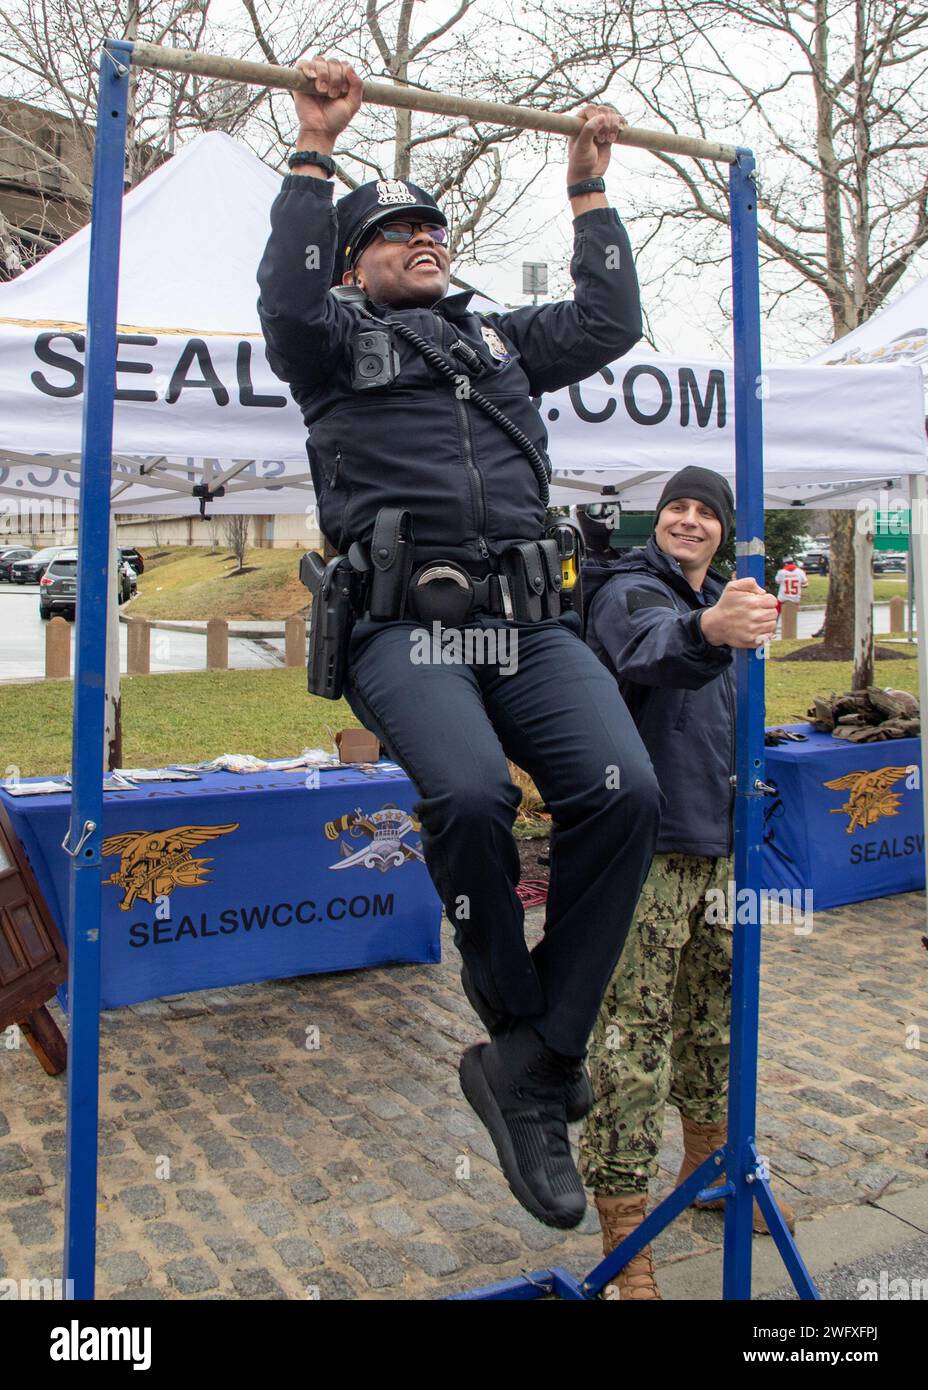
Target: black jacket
[
  {"x": 471, "y": 490},
  {"x": 642, "y": 624}
]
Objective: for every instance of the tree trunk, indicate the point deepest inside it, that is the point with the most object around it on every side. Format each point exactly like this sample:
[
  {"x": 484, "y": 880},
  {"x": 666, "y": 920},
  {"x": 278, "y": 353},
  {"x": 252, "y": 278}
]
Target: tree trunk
[
  {"x": 862, "y": 675},
  {"x": 839, "y": 612}
]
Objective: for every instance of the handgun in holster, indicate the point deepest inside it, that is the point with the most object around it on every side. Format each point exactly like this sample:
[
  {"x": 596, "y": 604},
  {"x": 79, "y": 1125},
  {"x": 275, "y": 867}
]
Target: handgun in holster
[{"x": 333, "y": 587}]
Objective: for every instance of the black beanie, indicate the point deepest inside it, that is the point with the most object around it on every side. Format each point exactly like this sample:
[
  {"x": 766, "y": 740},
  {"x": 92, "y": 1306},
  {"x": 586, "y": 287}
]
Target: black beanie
[{"x": 705, "y": 486}]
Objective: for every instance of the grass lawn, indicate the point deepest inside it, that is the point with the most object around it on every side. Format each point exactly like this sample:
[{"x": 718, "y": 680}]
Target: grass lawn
[
  {"x": 790, "y": 686},
  {"x": 195, "y": 715},
  {"x": 885, "y": 587},
  {"x": 174, "y": 718},
  {"x": 194, "y": 582}
]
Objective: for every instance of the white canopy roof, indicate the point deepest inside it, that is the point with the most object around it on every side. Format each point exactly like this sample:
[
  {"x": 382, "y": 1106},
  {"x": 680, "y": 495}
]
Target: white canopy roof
[
  {"x": 193, "y": 234},
  {"x": 898, "y": 333}
]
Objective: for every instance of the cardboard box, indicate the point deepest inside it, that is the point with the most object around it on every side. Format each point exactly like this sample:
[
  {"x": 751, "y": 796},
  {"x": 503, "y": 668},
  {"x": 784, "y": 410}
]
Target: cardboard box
[{"x": 357, "y": 746}]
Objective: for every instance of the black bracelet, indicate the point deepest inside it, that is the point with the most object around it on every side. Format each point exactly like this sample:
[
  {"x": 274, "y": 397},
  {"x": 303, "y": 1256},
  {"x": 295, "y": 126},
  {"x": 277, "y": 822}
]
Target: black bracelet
[
  {"x": 576, "y": 190},
  {"x": 312, "y": 157}
]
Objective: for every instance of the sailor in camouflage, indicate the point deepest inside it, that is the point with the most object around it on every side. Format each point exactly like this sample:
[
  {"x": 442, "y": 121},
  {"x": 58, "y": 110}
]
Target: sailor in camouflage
[
  {"x": 666, "y": 624},
  {"x": 662, "y": 1033}
]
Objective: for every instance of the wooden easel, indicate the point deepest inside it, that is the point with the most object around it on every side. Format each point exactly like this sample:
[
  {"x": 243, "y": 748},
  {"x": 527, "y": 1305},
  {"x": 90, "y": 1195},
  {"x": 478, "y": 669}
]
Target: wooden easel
[{"x": 33, "y": 956}]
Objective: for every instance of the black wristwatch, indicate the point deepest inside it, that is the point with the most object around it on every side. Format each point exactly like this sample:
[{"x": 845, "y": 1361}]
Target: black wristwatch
[
  {"x": 597, "y": 185},
  {"x": 312, "y": 157}
]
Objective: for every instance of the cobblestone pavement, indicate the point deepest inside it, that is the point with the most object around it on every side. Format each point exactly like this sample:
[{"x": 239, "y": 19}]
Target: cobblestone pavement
[{"x": 238, "y": 1162}]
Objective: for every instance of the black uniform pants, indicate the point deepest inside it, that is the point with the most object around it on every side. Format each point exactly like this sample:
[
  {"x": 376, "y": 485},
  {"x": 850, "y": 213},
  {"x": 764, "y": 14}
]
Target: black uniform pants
[{"x": 559, "y": 716}]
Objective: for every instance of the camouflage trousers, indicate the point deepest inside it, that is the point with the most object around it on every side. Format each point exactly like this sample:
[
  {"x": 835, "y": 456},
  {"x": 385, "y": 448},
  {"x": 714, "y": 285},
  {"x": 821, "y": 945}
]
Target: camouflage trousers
[{"x": 663, "y": 1029}]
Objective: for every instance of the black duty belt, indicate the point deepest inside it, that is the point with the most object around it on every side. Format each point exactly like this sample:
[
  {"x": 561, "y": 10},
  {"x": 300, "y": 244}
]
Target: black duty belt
[{"x": 522, "y": 585}]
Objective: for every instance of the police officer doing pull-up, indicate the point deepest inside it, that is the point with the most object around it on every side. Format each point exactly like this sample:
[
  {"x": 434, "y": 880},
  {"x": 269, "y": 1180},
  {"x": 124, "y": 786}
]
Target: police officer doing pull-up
[{"x": 427, "y": 458}]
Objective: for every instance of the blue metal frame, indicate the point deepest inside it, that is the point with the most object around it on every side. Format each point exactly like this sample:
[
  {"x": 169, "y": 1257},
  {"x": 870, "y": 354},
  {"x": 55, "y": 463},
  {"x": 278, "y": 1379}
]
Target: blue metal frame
[
  {"x": 746, "y": 1177},
  {"x": 80, "y": 1203}
]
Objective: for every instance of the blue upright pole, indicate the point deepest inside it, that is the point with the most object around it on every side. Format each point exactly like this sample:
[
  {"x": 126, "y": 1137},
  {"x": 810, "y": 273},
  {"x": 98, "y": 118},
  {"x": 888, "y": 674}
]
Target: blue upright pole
[
  {"x": 84, "y": 837},
  {"x": 745, "y": 1170},
  {"x": 749, "y": 758}
]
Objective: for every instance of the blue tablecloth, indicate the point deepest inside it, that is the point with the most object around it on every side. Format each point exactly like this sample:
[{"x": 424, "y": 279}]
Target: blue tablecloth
[
  {"x": 863, "y": 838},
  {"x": 238, "y": 878}
]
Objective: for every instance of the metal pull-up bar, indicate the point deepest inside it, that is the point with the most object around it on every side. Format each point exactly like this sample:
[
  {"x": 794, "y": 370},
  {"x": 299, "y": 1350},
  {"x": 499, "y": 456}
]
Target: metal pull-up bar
[
  {"x": 747, "y": 1178},
  {"x": 149, "y": 55}
]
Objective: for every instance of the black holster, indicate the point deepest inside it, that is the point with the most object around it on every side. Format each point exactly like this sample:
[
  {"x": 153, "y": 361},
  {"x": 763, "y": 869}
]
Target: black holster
[{"x": 333, "y": 585}]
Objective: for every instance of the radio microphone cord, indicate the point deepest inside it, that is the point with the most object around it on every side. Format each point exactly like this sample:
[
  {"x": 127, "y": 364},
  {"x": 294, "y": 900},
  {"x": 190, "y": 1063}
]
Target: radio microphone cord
[{"x": 540, "y": 465}]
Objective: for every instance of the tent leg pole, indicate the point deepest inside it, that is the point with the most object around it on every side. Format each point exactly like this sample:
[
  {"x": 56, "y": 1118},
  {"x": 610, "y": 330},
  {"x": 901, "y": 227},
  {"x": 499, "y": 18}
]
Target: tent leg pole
[
  {"x": 85, "y": 833},
  {"x": 918, "y": 565},
  {"x": 745, "y": 1169},
  {"x": 749, "y": 478}
]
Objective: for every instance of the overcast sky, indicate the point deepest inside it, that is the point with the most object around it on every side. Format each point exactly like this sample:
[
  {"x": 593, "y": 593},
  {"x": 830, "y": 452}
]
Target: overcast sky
[
  {"x": 684, "y": 313},
  {"x": 684, "y": 316}
]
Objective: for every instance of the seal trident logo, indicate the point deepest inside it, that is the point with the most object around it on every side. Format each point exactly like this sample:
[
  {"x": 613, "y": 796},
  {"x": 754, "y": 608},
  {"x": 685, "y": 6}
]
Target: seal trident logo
[{"x": 155, "y": 862}]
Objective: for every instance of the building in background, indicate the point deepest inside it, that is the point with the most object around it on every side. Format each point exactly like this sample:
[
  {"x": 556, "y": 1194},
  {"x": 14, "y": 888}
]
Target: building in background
[{"x": 46, "y": 163}]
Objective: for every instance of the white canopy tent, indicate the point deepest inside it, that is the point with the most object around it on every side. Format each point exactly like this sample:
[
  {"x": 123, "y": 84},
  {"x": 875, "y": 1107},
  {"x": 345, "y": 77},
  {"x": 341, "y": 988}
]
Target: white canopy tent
[
  {"x": 898, "y": 335},
  {"x": 197, "y": 402}
]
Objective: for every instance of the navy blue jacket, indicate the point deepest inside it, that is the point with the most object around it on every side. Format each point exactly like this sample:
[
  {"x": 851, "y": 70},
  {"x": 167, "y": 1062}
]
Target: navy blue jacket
[
  {"x": 471, "y": 490},
  {"x": 643, "y": 625}
]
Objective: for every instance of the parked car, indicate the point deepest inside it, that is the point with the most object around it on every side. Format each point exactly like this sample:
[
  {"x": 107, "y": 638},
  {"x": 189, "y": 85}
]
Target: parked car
[
  {"x": 30, "y": 571},
  {"x": 58, "y": 586},
  {"x": 888, "y": 562},
  {"x": 134, "y": 557},
  {"x": 9, "y": 555},
  {"x": 814, "y": 562}
]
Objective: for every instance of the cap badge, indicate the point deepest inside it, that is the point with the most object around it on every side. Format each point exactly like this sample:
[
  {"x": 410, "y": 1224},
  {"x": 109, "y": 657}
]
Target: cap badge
[{"x": 394, "y": 192}]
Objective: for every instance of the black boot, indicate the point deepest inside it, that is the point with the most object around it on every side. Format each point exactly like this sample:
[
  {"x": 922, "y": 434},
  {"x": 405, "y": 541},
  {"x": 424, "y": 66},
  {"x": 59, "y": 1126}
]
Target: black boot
[
  {"x": 516, "y": 1084},
  {"x": 578, "y": 1095}
]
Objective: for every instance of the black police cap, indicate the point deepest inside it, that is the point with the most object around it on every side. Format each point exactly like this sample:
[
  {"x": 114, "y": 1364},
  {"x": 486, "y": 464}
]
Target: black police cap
[{"x": 366, "y": 208}]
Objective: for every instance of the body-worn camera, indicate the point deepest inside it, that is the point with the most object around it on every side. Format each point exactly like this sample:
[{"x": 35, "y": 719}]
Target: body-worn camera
[{"x": 374, "y": 359}]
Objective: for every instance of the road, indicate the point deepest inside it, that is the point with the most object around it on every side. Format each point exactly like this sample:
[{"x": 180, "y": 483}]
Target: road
[{"x": 22, "y": 642}]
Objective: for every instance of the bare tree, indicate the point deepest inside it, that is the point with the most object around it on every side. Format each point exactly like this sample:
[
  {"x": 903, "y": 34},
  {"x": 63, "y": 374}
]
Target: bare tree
[
  {"x": 49, "y": 56},
  {"x": 236, "y": 530},
  {"x": 528, "y": 54},
  {"x": 830, "y": 93}
]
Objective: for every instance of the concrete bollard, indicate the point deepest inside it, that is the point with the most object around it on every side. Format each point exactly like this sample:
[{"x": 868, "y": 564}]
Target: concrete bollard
[
  {"x": 897, "y": 614},
  {"x": 295, "y": 641},
  {"x": 788, "y": 620},
  {"x": 217, "y": 645},
  {"x": 138, "y": 647},
  {"x": 57, "y": 649}
]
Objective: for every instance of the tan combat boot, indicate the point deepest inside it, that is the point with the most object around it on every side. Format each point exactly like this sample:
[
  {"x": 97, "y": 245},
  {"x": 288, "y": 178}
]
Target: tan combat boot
[
  {"x": 699, "y": 1141},
  {"x": 619, "y": 1216}
]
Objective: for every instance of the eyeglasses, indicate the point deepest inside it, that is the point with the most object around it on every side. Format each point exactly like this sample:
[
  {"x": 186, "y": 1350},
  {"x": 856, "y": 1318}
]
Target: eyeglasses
[{"x": 404, "y": 231}]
